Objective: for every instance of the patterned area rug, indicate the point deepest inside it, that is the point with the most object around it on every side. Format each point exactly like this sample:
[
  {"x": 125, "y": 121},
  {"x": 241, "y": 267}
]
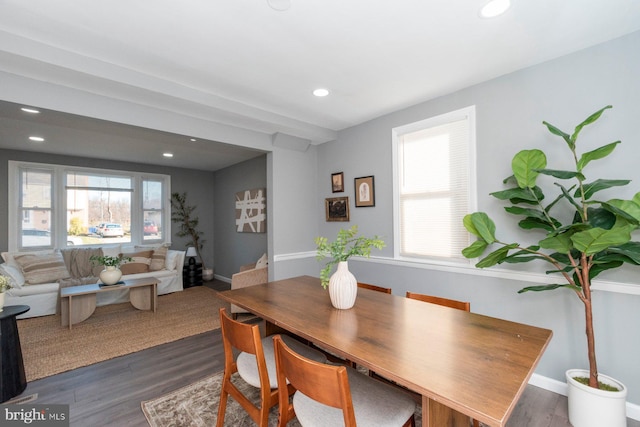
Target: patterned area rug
[
  {"x": 115, "y": 330},
  {"x": 196, "y": 405}
]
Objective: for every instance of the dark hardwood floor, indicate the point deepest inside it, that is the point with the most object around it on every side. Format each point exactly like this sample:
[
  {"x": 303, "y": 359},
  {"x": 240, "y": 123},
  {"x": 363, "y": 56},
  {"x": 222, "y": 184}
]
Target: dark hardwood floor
[{"x": 109, "y": 393}]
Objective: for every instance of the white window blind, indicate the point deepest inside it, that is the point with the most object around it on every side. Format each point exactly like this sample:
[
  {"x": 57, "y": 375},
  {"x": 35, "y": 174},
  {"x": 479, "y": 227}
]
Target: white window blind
[{"x": 433, "y": 161}]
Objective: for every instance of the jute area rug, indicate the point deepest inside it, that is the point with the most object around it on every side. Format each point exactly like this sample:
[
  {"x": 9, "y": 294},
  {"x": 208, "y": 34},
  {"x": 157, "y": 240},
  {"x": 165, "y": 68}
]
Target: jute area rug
[
  {"x": 115, "y": 330},
  {"x": 196, "y": 405}
]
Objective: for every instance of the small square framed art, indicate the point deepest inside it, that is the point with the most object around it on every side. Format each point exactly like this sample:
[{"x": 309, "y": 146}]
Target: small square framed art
[{"x": 337, "y": 208}]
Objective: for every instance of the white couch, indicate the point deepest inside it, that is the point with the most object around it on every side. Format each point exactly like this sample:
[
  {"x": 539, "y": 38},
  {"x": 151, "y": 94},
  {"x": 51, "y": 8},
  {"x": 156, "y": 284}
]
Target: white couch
[{"x": 43, "y": 298}]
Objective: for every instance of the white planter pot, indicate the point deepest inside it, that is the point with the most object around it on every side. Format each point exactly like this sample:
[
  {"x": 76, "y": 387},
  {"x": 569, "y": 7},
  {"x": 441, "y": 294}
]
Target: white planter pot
[
  {"x": 1, "y": 300},
  {"x": 343, "y": 287},
  {"x": 110, "y": 275},
  {"x": 590, "y": 407},
  {"x": 207, "y": 274}
]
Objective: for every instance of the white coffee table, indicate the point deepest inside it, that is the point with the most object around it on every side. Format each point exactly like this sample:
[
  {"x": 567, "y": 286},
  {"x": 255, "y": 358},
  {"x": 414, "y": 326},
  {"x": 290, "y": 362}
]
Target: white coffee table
[{"x": 77, "y": 303}]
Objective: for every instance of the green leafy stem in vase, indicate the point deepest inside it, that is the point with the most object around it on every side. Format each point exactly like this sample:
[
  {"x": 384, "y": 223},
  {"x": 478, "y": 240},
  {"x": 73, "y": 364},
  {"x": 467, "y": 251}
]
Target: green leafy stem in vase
[
  {"x": 345, "y": 246},
  {"x": 110, "y": 261}
]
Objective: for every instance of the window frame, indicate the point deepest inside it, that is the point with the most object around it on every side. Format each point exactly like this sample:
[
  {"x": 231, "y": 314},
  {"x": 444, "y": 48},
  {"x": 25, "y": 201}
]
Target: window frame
[
  {"x": 59, "y": 204},
  {"x": 470, "y": 114}
]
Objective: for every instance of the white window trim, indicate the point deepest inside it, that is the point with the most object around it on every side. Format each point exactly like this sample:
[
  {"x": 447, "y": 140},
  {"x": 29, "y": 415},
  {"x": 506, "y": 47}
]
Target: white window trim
[
  {"x": 60, "y": 202},
  {"x": 470, "y": 114}
]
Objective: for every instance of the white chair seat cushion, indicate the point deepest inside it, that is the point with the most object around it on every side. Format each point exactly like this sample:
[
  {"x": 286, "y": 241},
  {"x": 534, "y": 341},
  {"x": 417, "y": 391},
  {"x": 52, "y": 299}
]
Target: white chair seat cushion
[
  {"x": 375, "y": 404},
  {"x": 248, "y": 368}
]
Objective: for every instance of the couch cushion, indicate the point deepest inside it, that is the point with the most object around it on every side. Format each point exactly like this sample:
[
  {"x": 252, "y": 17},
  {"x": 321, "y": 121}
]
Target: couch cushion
[
  {"x": 139, "y": 264},
  {"x": 44, "y": 288},
  {"x": 158, "y": 260},
  {"x": 42, "y": 268},
  {"x": 16, "y": 279},
  {"x": 171, "y": 263},
  {"x": 158, "y": 257},
  {"x": 262, "y": 262},
  {"x": 157, "y": 274},
  {"x": 9, "y": 257}
]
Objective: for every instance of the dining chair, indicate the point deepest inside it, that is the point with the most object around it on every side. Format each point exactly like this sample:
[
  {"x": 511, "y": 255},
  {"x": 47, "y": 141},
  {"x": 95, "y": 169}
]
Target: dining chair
[
  {"x": 255, "y": 364},
  {"x": 460, "y": 305},
  {"x": 452, "y": 303},
  {"x": 328, "y": 395},
  {"x": 374, "y": 288}
]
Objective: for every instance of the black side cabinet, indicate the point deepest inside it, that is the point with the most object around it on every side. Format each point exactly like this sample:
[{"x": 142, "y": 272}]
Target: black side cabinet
[{"x": 192, "y": 274}]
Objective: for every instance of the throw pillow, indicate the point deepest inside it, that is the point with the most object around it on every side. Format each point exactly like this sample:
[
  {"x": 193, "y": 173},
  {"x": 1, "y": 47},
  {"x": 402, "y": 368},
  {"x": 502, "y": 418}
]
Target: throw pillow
[
  {"x": 139, "y": 264},
  {"x": 158, "y": 257},
  {"x": 262, "y": 262},
  {"x": 172, "y": 259},
  {"x": 16, "y": 279},
  {"x": 9, "y": 257},
  {"x": 42, "y": 268}
]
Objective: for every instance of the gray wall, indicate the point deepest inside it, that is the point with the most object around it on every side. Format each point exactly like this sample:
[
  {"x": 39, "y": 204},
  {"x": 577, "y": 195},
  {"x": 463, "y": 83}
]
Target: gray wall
[
  {"x": 199, "y": 186},
  {"x": 295, "y": 212},
  {"x": 510, "y": 110},
  {"x": 234, "y": 249}
]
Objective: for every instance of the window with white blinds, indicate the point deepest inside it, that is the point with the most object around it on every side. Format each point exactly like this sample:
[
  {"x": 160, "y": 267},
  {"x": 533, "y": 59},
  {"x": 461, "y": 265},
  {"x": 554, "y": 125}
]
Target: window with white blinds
[{"x": 434, "y": 169}]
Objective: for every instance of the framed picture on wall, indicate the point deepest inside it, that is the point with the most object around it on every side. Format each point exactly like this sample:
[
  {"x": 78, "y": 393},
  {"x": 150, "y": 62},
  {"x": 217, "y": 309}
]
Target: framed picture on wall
[
  {"x": 337, "y": 208},
  {"x": 365, "y": 192},
  {"x": 337, "y": 182},
  {"x": 251, "y": 211}
]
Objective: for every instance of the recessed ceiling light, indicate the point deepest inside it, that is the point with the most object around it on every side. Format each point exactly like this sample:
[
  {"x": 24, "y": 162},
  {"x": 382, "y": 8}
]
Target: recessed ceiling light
[
  {"x": 30, "y": 110},
  {"x": 167, "y": 154},
  {"x": 321, "y": 92},
  {"x": 193, "y": 140},
  {"x": 279, "y": 5},
  {"x": 495, "y": 8},
  {"x": 36, "y": 138}
]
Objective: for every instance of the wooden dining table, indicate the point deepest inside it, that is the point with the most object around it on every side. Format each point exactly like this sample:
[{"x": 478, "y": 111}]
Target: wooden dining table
[{"x": 462, "y": 364}]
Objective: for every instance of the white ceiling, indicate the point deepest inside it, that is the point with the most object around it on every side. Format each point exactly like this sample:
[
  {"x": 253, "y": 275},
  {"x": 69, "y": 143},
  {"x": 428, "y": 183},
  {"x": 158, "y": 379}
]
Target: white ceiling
[{"x": 239, "y": 63}]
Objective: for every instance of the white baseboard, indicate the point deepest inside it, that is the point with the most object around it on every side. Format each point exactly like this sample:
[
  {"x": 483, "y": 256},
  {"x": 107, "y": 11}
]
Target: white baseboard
[
  {"x": 221, "y": 278},
  {"x": 548, "y": 384},
  {"x": 555, "y": 386}
]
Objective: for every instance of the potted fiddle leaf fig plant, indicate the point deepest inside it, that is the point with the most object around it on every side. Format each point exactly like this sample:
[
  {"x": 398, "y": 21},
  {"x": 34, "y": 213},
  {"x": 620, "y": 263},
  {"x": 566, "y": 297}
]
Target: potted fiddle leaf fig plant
[
  {"x": 596, "y": 236},
  {"x": 342, "y": 284}
]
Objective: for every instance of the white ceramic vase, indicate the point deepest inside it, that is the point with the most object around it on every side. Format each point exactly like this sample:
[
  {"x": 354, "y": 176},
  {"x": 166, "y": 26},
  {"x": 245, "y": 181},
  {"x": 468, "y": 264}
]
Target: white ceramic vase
[
  {"x": 591, "y": 407},
  {"x": 343, "y": 287},
  {"x": 1, "y": 300},
  {"x": 110, "y": 275}
]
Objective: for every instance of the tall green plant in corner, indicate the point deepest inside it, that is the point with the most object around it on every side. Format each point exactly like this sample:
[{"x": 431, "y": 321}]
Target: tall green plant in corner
[
  {"x": 182, "y": 214},
  {"x": 595, "y": 238}
]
